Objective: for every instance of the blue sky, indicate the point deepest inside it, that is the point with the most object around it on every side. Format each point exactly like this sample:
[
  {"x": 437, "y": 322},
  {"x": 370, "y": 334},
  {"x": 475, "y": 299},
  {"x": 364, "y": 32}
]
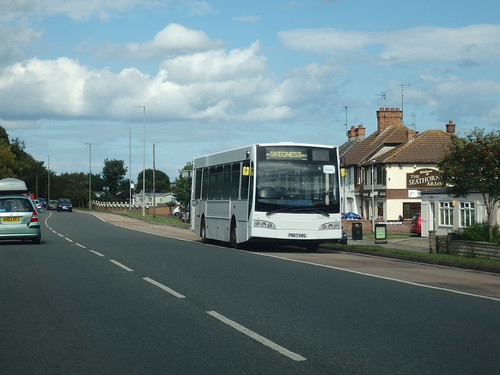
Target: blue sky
[{"x": 220, "y": 74}]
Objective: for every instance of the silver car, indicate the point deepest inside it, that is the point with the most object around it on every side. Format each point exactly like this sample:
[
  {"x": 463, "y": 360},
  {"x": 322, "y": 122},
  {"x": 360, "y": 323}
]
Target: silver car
[{"x": 19, "y": 219}]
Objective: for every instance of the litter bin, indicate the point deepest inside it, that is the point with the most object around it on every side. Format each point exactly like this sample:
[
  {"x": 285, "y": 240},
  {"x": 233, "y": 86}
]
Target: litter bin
[{"x": 357, "y": 231}]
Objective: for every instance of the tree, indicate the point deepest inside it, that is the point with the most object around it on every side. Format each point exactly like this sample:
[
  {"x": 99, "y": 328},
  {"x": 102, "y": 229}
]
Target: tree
[
  {"x": 6, "y": 161},
  {"x": 162, "y": 181},
  {"x": 473, "y": 165},
  {"x": 113, "y": 173},
  {"x": 182, "y": 186}
]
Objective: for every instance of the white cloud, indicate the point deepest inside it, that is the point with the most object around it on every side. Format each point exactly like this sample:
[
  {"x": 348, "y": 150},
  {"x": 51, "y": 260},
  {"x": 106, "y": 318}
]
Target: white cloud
[
  {"x": 214, "y": 86},
  {"x": 13, "y": 41},
  {"x": 469, "y": 43},
  {"x": 216, "y": 65},
  {"x": 173, "y": 39}
]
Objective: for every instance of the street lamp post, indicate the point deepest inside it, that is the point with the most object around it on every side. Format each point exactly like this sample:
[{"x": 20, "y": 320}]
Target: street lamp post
[
  {"x": 143, "y": 195},
  {"x": 373, "y": 199},
  {"x": 130, "y": 169},
  {"x": 48, "y": 178},
  {"x": 90, "y": 175}
]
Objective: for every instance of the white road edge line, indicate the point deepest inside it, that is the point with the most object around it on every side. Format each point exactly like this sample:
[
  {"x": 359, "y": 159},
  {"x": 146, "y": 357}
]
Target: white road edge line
[
  {"x": 96, "y": 253},
  {"x": 257, "y": 337},
  {"x": 383, "y": 277},
  {"x": 121, "y": 265},
  {"x": 163, "y": 287}
]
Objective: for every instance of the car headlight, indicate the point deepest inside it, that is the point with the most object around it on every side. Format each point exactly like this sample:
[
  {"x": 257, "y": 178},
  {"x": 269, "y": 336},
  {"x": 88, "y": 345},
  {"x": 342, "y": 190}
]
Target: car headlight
[{"x": 263, "y": 224}]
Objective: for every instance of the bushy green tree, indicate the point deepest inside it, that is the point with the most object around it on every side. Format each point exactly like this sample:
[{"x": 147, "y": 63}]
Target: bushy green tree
[
  {"x": 162, "y": 181},
  {"x": 472, "y": 165},
  {"x": 182, "y": 187},
  {"x": 113, "y": 173}
]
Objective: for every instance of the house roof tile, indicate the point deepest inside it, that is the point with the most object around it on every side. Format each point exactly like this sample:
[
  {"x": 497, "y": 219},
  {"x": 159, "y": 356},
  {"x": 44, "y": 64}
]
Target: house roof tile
[
  {"x": 427, "y": 147},
  {"x": 363, "y": 151}
]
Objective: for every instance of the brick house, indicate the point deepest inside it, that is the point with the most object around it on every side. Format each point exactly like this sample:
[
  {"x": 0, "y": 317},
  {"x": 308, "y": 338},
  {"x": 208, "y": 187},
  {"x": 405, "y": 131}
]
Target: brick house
[{"x": 386, "y": 171}]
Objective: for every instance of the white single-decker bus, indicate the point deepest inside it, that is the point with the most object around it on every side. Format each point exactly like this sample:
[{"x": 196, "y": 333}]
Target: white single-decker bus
[{"x": 276, "y": 192}]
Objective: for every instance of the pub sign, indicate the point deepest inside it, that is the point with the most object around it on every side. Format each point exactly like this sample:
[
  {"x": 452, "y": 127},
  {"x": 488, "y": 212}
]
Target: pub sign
[{"x": 425, "y": 178}]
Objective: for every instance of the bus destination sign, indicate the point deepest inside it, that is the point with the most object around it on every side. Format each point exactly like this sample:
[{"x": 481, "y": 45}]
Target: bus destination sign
[{"x": 286, "y": 154}]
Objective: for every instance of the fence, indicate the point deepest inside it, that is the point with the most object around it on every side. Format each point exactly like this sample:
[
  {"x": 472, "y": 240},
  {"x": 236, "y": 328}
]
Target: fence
[{"x": 447, "y": 245}]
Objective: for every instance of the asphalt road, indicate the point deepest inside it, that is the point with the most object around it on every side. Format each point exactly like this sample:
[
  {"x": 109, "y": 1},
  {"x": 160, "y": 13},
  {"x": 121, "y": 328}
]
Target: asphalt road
[{"x": 95, "y": 298}]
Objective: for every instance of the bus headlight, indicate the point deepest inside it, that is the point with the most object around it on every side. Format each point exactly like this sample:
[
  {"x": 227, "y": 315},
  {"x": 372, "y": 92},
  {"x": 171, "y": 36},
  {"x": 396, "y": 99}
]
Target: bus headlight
[
  {"x": 263, "y": 224},
  {"x": 330, "y": 226}
]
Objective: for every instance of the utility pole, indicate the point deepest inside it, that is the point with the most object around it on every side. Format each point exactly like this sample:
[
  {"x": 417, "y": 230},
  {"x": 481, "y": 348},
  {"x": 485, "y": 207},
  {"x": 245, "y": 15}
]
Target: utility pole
[{"x": 154, "y": 180}]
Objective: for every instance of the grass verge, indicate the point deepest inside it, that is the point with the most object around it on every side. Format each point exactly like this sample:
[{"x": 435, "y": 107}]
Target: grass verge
[
  {"x": 479, "y": 264},
  {"x": 155, "y": 219}
]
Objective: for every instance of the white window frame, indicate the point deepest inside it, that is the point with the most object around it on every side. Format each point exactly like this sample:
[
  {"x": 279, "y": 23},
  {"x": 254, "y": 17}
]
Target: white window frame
[
  {"x": 446, "y": 214},
  {"x": 467, "y": 214}
]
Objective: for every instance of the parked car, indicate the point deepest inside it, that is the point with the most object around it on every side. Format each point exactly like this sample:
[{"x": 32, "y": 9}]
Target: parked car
[
  {"x": 19, "y": 219},
  {"x": 64, "y": 205},
  {"x": 351, "y": 215},
  {"x": 53, "y": 204},
  {"x": 416, "y": 225},
  {"x": 38, "y": 205},
  {"x": 176, "y": 211}
]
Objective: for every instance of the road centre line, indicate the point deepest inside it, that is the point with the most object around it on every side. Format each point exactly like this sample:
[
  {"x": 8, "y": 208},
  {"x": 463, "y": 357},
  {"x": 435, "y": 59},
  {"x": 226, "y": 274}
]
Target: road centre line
[
  {"x": 121, "y": 265},
  {"x": 80, "y": 245},
  {"x": 69, "y": 239},
  {"x": 257, "y": 337},
  {"x": 96, "y": 253},
  {"x": 164, "y": 287}
]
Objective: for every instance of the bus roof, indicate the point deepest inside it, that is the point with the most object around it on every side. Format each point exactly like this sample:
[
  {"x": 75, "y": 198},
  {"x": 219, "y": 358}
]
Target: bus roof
[{"x": 241, "y": 153}]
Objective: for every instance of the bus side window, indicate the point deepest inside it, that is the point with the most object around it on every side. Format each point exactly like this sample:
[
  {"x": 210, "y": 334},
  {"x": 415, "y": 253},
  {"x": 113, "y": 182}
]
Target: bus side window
[
  {"x": 235, "y": 181},
  {"x": 197, "y": 190},
  {"x": 212, "y": 183},
  {"x": 204, "y": 191},
  {"x": 226, "y": 185},
  {"x": 219, "y": 181},
  {"x": 245, "y": 177}
]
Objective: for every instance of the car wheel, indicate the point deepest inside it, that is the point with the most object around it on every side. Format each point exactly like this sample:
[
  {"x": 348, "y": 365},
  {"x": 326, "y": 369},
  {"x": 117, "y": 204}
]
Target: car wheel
[{"x": 37, "y": 240}]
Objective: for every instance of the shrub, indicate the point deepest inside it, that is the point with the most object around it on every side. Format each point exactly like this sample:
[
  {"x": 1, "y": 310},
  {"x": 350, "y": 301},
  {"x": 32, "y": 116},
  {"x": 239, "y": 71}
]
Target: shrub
[{"x": 478, "y": 232}]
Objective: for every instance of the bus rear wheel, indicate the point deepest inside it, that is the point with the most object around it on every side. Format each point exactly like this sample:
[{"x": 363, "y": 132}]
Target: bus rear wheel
[
  {"x": 203, "y": 232},
  {"x": 233, "y": 242}
]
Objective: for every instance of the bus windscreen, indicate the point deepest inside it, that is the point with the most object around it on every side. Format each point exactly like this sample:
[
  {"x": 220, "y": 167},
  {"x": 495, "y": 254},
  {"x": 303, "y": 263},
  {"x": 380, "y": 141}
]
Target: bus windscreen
[{"x": 297, "y": 179}]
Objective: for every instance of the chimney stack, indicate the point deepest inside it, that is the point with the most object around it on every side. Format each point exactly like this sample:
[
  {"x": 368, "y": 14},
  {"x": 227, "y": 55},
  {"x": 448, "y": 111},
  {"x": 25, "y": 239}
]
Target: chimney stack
[
  {"x": 351, "y": 133},
  {"x": 360, "y": 132},
  {"x": 388, "y": 117},
  {"x": 450, "y": 127}
]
